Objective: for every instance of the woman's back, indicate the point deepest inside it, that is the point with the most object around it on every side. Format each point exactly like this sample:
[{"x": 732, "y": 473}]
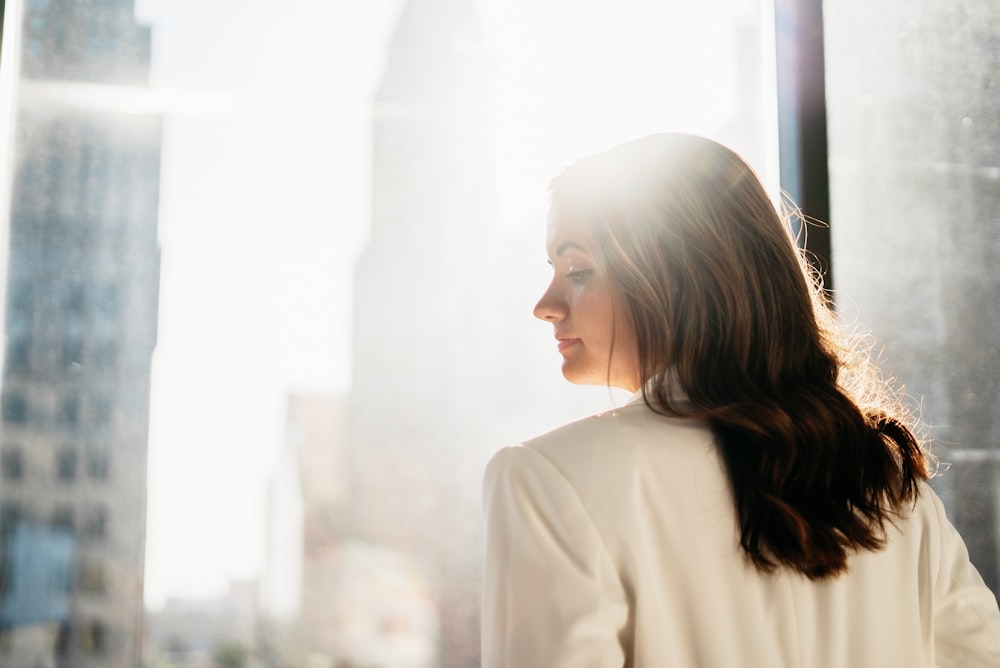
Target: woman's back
[
  {"x": 614, "y": 541},
  {"x": 780, "y": 517}
]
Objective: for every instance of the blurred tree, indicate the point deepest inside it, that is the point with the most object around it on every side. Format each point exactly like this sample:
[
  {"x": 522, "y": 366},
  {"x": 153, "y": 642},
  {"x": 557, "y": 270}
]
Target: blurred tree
[{"x": 231, "y": 654}]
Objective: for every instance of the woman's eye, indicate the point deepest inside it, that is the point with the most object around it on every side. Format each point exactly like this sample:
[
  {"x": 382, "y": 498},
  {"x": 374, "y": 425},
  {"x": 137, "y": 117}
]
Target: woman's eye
[{"x": 579, "y": 276}]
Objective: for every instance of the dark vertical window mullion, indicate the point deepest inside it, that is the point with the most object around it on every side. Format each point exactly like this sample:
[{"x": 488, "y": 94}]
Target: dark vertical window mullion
[
  {"x": 3, "y": 7},
  {"x": 802, "y": 135},
  {"x": 3, "y": 13}
]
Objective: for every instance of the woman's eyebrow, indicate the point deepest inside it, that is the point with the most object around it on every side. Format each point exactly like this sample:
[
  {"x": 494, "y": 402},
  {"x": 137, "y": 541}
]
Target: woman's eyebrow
[{"x": 566, "y": 245}]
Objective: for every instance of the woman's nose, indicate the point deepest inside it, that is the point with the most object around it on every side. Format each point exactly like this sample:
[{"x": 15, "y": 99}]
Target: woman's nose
[{"x": 550, "y": 307}]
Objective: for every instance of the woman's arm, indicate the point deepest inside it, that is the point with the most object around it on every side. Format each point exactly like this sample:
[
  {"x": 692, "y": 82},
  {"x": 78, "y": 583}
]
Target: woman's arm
[
  {"x": 966, "y": 617},
  {"x": 552, "y": 598}
]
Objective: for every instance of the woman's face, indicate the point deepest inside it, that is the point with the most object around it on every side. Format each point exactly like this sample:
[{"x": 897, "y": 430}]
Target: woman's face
[{"x": 596, "y": 340}]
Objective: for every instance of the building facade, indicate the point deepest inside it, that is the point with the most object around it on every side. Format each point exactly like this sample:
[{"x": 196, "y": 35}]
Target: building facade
[
  {"x": 80, "y": 328},
  {"x": 413, "y": 419}
]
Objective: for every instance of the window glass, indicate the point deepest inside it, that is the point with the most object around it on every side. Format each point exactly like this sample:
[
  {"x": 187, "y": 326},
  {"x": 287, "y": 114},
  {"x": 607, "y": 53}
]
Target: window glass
[
  {"x": 62, "y": 518},
  {"x": 96, "y": 526},
  {"x": 270, "y": 276},
  {"x": 15, "y": 408},
  {"x": 915, "y": 200},
  {"x": 98, "y": 464},
  {"x": 12, "y": 462},
  {"x": 66, "y": 461},
  {"x": 17, "y": 359},
  {"x": 91, "y": 578}
]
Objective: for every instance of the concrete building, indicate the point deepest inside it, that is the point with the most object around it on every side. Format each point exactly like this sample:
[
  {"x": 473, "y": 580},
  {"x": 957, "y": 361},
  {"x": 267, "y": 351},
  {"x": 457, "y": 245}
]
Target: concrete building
[
  {"x": 202, "y": 633},
  {"x": 413, "y": 414},
  {"x": 307, "y": 499},
  {"x": 329, "y": 600},
  {"x": 80, "y": 327}
]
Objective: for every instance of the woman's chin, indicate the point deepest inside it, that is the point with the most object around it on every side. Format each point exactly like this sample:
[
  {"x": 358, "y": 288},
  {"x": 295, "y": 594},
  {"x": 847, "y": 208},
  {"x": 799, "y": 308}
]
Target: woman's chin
[{"x": 577, "y": 376}]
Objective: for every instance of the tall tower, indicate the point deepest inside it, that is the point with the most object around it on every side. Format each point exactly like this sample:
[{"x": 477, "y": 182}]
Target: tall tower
[
  {"x": 413, "y": 409},
  {"x": 80, "y": 330}
]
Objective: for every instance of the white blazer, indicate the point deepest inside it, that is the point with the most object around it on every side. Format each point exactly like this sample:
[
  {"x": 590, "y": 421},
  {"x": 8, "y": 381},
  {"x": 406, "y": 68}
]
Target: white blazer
[{"x": 612, "y": 541}]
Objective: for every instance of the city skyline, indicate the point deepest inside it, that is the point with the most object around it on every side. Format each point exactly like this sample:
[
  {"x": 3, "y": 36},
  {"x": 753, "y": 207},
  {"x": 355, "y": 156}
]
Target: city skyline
[
  {"x": 262, "y": 255},
  {"x": 308, "y": 249}
]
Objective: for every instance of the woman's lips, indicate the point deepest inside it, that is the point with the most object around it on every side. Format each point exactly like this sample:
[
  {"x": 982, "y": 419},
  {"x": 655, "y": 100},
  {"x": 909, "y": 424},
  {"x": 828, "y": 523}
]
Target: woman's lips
[{"x": 567, "y": 343}]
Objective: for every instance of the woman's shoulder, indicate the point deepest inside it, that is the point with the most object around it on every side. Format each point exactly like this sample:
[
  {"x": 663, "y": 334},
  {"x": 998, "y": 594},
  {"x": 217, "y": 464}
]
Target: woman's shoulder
[
  {"x": 632, "y": 425},
  {"x": 615, "y": 442}
]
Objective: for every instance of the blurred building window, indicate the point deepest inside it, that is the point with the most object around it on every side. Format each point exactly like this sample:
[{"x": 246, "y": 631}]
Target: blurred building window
[
  {"x": 91, "y": 578},
  {"x": 63, "y": 638},
  {"x": 63, "y": 518},
  {"x": 69, "y": 411},
  {"x": 66, "y": 464},
  {"x": 73, "y": 313},
  {"x": 12, "y": 462},
  {"x": 72, "y": 351},
  {"x": 93, "y": 638},
  {"x": 96, "y": 523},
  {"x": 14, "y": 408},
  {"x": 17, "y": 360},
  {"x": 10, "y": 514},
  {"x": 98, "y": 464}
]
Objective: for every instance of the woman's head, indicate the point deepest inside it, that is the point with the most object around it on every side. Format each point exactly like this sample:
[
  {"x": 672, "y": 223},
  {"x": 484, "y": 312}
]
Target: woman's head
[
  {"x": 701, "y": 275},
  {"x": 592, "y": 325},
  {"x": 697, "y": 280}
]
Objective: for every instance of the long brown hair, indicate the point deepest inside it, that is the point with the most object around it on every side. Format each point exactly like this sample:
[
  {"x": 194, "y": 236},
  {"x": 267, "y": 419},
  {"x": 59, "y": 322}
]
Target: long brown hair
[{"x": 732, "y": 327}]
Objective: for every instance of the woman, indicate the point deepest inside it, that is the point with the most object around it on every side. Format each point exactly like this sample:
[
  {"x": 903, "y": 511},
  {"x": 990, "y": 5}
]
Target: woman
[{"x": 760, "y": 501}]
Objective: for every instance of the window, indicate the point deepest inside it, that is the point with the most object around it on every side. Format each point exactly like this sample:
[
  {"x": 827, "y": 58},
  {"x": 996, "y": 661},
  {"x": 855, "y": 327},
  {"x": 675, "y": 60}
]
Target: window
[
  {"x": 915, "y": 186},
  {"x": 10, "y": 515},
  {"x": 62, "y": 518},
  {"x": 17, "y": 361},
  {"x": 72, "y": 351},
  {"x": 15, "y": 408},
  {"x": 96, "y": 525},
  {"x": 66, "y": 463},
  {"x": 69, "y": 411},
  {"x": 91, "y": 578},
  {"x": 12, "y": 462},
  {"x": 98, "y": 464},
  {"x": 306, "y": 265},
  {"x": 73, "y": 313},
  {"x": 20, "y": 307},
  {"x": 93, "y": 638},
  {"x": 63, "y": 636},
  {"x": 258, "y": 284}
]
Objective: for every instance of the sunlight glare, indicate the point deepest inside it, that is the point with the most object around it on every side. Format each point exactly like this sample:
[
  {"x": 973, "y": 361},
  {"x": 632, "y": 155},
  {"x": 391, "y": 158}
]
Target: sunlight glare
[{"x": 573, "y": 78}]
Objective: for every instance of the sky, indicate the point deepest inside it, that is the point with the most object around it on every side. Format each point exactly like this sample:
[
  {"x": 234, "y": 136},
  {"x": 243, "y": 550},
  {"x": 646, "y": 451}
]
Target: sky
[{"x": 265, "y": 190}]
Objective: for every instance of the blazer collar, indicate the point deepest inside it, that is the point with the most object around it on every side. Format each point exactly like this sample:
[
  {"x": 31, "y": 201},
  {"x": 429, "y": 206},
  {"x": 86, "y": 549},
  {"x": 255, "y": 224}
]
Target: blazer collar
[{"x": 675, "y": 390}]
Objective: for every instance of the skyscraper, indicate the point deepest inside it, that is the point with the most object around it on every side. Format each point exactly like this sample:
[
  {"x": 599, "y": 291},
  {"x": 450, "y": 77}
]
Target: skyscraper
[
  {"x": 413, "y": 418},
  {"x": 82, "y": 292}
]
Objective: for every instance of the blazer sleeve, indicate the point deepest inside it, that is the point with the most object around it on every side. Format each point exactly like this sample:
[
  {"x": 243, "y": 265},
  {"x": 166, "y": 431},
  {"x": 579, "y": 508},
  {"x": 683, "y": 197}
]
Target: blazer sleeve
[
  {"x": 966, "y": 617},
  {"x": 552, "y": 597}
]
